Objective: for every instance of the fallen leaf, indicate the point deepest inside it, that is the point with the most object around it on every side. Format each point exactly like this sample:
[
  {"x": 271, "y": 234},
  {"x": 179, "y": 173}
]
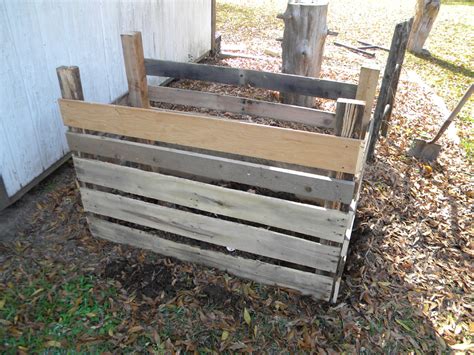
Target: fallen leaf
[
  {"x": 225, "y": 335},
  {"x": 247, "y": 317},
  {"x": 52, "y": 344}
]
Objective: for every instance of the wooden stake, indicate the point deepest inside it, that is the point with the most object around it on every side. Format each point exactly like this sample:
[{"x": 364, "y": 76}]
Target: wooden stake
[
  {"x": 213, "y": 27},
  {"x": 368, "y": 80},
  {"x": 135, "y": 68},
  {"x": 70, "y": 83},
  {"x": 349, "y": 124},
  {"x": 389, "y": 82}
]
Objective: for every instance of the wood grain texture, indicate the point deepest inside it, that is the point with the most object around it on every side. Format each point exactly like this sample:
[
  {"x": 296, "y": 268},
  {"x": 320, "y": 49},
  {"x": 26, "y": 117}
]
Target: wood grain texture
[
  {"x": 366, "y": 89},
  {"x": 318, "y": 286},
  {"x": 266, "y": 80},
  {"x": 279, "y": 112},
  {"x": 134, "y": 60},
  {"x": 272, "y": 143},
  {"x": 306, "y": 219},
  {"x": 303, "y": 43},
  {"x": 258, "y": 241},
  {"x": 303, "y": 184}
]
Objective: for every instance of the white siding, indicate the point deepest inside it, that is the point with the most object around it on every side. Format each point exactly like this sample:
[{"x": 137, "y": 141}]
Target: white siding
[{"x": 38, "y": 36}]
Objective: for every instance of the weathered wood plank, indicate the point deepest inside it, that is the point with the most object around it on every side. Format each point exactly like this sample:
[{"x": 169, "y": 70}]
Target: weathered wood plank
[
  {"x": 132, "y": 47},
  {"x": 368, "y": 80},
  {"x": 272, "y": 143},
  {"x": 349, "y": 123},
  {"x": 302, "y": 184},
  {"x": 307, "y": 219},
  {"x": 266, "y": 80},
  {"x": 254, "y": 240},
  {"x": 279, "y": 112},
  {"x": 307, "y": 283}
]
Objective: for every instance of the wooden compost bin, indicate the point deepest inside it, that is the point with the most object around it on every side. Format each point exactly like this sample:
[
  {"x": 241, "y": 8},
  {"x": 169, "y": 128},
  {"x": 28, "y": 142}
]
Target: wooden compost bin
[{"x": 143, "y": 170}]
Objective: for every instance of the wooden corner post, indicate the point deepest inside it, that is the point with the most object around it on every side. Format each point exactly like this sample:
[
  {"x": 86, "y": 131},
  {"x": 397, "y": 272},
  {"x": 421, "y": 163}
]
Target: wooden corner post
[
  {"x": 350, "y": 115},
  {"x": 213, "y": 27},
  {"x": 70, "y": 83},
  {"x": 134, "y": 59},
  {"x": 71, "y": 86},
  {"x": 368, "y": 80}
]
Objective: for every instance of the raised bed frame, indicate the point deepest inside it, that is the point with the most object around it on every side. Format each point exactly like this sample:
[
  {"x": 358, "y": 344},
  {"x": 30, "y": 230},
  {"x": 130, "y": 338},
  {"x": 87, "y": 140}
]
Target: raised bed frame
[{"x": 163, "y": 170}]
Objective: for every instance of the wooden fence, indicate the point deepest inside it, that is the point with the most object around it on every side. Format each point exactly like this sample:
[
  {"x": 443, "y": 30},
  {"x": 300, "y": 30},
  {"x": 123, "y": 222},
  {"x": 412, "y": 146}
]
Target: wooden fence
[{"x": 284, "y": 199}]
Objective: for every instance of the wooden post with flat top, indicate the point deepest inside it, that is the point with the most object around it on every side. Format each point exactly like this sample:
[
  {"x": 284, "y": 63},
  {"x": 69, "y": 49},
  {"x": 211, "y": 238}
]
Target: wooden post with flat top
[{"x": 133, "y": 56}]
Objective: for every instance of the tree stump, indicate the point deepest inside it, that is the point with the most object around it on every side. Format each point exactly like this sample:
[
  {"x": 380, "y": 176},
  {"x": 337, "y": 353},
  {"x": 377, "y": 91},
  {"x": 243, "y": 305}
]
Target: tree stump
[
  {"x": 425, "y": 16},
  {"x": 303, "y": 42}
]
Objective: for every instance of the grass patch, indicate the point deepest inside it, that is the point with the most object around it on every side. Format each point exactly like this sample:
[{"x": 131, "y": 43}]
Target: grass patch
[
  {"x": 448, "y": 68},
  {"x": 42, "y": 314}
]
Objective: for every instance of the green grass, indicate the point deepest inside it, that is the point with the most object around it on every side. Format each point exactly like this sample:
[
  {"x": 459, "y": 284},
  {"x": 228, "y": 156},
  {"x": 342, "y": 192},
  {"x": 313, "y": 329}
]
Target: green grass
[
  {"x": 60, "y": 315},
  {"x": 448, "y": 68}
]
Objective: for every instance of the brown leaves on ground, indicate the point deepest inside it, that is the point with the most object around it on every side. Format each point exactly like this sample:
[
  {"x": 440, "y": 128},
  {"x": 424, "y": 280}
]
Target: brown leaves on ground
[{"x": 407, "y": 284}]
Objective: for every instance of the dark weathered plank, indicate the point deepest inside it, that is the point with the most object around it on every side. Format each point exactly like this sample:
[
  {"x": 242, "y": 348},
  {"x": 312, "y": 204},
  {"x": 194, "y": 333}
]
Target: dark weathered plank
[
  {"x": 273, "y": 81},
  {"x": 242, "y": 105},
  {"x": 308, "y": 283},
  {"x": 258, "y": 241},
  {"x": 302, "y": 184},
  {"x": 302, "y": 218}
]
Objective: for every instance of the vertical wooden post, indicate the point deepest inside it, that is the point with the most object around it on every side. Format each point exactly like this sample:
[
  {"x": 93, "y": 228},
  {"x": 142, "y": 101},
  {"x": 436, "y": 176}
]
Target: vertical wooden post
[
  {"x": 350, "y": 115},
  {"x": 389, "y": 82},
  {"x": 70, "y": 83},
  {"x": 368, "y": 80},
  {"x": 132, "y": 47},
  {"x": 213, "y": 27},
  {"x": 71, "y": 87}
]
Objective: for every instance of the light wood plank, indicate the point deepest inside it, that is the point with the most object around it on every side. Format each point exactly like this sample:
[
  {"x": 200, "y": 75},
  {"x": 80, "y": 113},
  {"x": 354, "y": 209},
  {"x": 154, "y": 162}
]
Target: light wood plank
[
  {"x": 254, "y": 240},
  {"x": 307, "y": 283},
  {"x": 132, "y": 47},
  {"x": 288, "y": 83},
  {"x": 307, "y": 219},
  {"x": 272, "y": 143},
  {"x": 302, "y": 184},
  {"x": 368, "y": 80},
  {"x": 276, "y": 111}
]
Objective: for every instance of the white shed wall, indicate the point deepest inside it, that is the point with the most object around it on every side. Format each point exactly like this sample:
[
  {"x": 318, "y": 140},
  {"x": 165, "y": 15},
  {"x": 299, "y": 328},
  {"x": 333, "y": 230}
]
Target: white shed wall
[{"x": 38, "y": 36}]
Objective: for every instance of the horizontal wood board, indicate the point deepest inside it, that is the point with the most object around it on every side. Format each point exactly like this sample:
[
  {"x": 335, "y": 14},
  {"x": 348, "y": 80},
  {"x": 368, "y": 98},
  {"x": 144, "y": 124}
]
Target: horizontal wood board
[
  {"x": 272, "y": 143},
  {"x": 242, "y": 237},
  {"x": 302, "y": 218},
  {"x": 243, "y": 77},
  {"x": 302, "y": 184},
  {"x": 308, "y": 283},
  {"x": 276, "y": 111}
]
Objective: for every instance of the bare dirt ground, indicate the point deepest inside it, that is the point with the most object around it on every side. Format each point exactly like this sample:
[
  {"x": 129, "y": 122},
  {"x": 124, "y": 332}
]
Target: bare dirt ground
[{"x": 407, "y": 286}]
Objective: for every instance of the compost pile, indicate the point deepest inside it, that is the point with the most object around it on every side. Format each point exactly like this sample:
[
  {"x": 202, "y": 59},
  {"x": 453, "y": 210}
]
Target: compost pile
[{"x": 406, "y": 286}]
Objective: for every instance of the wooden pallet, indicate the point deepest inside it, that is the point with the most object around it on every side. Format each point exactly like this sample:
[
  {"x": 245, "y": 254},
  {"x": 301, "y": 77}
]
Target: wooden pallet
[{"x": 145, "y": 170}]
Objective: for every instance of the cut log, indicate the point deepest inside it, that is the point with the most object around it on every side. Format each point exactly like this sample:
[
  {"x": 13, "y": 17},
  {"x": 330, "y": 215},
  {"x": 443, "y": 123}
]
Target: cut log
[
  {"x": 303, "y": 42},
  {"x": 425, "y": 16}
]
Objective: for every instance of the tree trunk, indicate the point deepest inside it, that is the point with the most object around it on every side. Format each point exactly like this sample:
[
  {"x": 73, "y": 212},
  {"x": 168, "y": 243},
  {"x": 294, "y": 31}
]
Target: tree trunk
[
  {"x": 425, "y": 16},
  {"x": 303, "y": 42}
]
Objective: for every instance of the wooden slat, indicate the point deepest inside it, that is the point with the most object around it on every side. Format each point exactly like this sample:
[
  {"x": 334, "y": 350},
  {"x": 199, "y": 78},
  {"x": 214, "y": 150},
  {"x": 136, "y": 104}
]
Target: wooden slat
[
  {"x": 276, "y": 111},
  {"x": 272, "y": 143},
  {"x": 307, "y": 219},
  {"x": 254, "y": 240},
  {"x": 302, "y": 184},
  {"x": 311, "y": 284},
  {"x": 274, "y": 81}
]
